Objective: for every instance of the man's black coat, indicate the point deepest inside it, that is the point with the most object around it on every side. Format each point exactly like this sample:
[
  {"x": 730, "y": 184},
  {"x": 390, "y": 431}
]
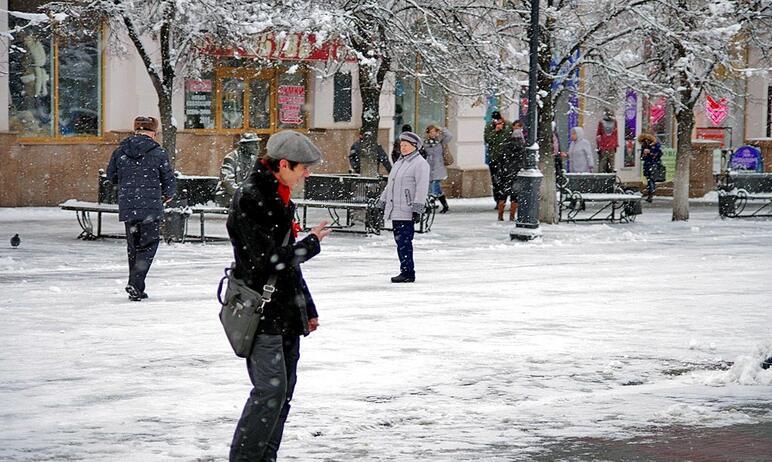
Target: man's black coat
[{"x": 257, "y": 225}]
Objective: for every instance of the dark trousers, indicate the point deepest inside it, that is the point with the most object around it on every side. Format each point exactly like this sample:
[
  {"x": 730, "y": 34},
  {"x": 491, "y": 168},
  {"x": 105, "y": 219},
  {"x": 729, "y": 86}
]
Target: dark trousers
[
  {"x": 403, "y": 236},
  {"x": 272, "y": 367},
  {"x": 142, "y": 239},
  {"x": 651, "y": 185}
]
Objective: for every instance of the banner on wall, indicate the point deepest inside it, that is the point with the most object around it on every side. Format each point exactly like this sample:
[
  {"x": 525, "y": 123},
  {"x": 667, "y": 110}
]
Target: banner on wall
[
  {"x": 291, "y": 101},
  {"x": 631, "y": 120}
]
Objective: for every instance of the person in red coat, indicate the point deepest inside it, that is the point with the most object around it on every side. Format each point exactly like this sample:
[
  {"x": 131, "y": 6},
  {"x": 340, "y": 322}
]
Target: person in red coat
[{"x": 608, "y": 142}]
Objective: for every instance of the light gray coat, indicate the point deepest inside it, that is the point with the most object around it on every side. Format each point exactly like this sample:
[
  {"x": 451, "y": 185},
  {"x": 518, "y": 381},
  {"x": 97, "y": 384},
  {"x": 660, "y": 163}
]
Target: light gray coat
[
  {"x": 433, "y": 150},
  {"x": 581, "y": 156},
  {"x": 406, "y": 191}
]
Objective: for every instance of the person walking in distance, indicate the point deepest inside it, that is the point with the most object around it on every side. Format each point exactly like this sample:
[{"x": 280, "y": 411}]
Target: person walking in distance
[
  {"x": 580, "y": 155},
  {"x": 141, "y": 169},
  {"x": 261, "y": 218},
  {"x": 509, "y": 162},
  {"x": 436, "y": 143},
  {"x": 403, "y": 201}
]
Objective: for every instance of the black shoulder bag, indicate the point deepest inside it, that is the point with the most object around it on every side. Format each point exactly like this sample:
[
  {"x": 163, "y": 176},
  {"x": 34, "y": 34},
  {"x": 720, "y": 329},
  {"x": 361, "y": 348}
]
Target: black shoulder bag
[{"x": 242, "y": 308}]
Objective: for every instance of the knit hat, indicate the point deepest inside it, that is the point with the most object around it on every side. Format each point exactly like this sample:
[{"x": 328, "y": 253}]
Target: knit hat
[
  {"x": 293, "y": 146},
  {"x": 411, "y": 138}
]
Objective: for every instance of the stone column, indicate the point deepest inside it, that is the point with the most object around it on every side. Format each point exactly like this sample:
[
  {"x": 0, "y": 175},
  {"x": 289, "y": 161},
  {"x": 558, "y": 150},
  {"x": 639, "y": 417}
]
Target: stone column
[
  {"x": 701, "y": 179},
  {"x": 765, "y": 144}
]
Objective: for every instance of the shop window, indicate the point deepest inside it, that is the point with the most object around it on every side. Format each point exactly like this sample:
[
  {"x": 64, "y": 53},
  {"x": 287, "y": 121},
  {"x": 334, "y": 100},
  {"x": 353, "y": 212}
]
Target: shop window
[
  {"x": 241, "y": 98},
  {"x": 418, "y": 105},
  {"x": 54, "y": 82},
  {"x": 341, "y": 108}
]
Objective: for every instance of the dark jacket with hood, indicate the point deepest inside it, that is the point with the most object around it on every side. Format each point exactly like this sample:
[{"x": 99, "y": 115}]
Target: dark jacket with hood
[
  {"x": 141, "y": 169},
  {"x": 257, "y": 224}
]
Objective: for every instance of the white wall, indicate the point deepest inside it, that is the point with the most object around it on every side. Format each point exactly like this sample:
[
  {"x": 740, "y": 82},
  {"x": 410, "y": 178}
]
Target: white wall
[
  {"x": 128, "y": 90},
  {"x": 466, "y": 122},
  {"x": 4, "y": 90},
  {"x": 756, "y": 106}
]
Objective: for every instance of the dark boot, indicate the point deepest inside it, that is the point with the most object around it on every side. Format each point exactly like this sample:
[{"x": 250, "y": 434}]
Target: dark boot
[
  {"x": 501, "y": 206},
  {"x": 512, "y": 211},
  {"x": 403, "y": 278},
  {"x": 134, "y": 294},
  {"x": 650, "y": 197},
  {"x": 444, "y": 203}
]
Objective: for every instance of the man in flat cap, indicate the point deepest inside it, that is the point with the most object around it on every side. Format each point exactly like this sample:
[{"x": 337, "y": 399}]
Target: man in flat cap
[
  {"x": 236, "y": 167},
  {"x": 141, "y": 169},
  {"x": 263, "y": 232}
]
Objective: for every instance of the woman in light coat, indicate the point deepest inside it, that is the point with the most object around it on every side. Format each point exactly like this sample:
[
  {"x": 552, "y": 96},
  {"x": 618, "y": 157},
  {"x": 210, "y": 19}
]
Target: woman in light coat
[
  {"x": 403, "y": 200},
  {"x": 436, "y": 143},
  {"x": 580, "y": 153}
]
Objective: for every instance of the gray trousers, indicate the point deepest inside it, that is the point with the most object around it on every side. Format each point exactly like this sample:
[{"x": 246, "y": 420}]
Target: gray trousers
[{"x": 272, "y": 367}]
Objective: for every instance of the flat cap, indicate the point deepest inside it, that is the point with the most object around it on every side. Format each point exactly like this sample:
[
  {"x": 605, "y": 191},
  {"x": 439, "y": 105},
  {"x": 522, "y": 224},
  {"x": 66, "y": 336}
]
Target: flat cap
[
  {"x": 249, "y": 137},
  {"x": 293, "y": 146}
]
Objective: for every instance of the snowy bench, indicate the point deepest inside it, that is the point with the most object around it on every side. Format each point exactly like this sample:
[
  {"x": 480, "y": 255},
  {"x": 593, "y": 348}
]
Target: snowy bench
[
  {"x": 195, "y": 195},
  {"x": 353, "y": 196},
  {"x": 596, "y": 197},
  {"x": 84, "y": 209},
  {"x": 738, "y": 191}
]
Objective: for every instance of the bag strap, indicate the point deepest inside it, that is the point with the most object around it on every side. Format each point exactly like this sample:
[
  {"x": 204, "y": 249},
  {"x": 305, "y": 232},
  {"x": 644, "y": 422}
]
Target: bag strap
[{"x": 269, "y": 287}]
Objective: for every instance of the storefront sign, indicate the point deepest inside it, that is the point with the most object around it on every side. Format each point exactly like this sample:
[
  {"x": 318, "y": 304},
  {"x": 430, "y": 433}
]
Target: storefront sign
[
  {"x": 631, "y": 119},
  {"x": 713, "y": 134},
  {"x": 285, "y": 47},
  {"x": 716, "y": 110},
  {"x": 291, "y": 101},
  {"x": 746, "y": 158}
]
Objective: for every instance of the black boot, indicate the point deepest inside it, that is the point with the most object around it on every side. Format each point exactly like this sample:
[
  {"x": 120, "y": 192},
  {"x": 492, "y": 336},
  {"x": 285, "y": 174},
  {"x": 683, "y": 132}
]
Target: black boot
[
  {"x": 401, "y": 277},
  {"x": 767, "y": 363},
  {"x": 444, "y": 203}
]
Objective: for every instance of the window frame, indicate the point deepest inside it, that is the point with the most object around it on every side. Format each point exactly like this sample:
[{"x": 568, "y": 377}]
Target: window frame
[
  {"x": 57, "y": 137},
  {"x": 272, "y": 74}
]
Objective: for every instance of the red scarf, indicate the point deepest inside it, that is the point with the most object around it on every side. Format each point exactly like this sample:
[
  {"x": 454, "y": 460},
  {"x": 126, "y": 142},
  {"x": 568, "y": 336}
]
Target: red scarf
[{"x": 284, "y": 193}]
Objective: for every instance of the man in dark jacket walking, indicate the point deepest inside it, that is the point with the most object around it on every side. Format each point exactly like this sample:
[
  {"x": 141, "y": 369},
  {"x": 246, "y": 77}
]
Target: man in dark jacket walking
[
  {"x": 141, "y": 169},
  {"x": 260, "y": 218}
]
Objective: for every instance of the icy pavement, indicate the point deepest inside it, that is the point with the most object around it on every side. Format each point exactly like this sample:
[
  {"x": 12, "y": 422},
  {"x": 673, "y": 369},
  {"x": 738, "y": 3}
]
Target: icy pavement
[{"x": 501, "y": 351}]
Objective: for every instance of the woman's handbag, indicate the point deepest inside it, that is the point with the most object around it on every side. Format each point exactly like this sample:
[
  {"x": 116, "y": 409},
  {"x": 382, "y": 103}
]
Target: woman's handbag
[
  {"x": 447, "y": 157},
  {"x": 242, "y": 309},
  {"x": 658, "y": 172}
]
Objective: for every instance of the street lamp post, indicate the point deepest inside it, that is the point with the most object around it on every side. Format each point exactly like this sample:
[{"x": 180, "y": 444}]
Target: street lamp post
[{"x": 529, "y": 178}]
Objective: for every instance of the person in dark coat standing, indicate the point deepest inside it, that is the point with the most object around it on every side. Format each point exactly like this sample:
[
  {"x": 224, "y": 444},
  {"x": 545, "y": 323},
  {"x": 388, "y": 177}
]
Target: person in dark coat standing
[
  {"x": 496, "y": 134},
  {"x": 508, "y": 163},
  {"x": 260, "y": 217},
  {"x": 141, "y": 169},
  {"x": 651, "y": 154},
  {"x": 355, "y": 156}
]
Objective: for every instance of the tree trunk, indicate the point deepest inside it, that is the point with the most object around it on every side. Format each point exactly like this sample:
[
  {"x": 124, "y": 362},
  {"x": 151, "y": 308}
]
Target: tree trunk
[
  {"x": 168, "y": 130},
  {"x": 370, "y": 93},
  {"x": 166, "y": 88},
  {"x": 685, "y": 119},
  {"x": 548, "y": 188}
]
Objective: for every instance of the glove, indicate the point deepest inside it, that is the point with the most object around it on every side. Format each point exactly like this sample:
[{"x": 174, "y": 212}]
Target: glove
[{"x": 416, "y": 217}]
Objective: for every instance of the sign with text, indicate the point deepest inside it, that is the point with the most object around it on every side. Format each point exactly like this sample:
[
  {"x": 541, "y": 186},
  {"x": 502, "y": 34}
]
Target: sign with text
[
  {"x": 285, "y": 47},
  {"x": 291, "y": 101},
  {"x": 746, "y": 158}
]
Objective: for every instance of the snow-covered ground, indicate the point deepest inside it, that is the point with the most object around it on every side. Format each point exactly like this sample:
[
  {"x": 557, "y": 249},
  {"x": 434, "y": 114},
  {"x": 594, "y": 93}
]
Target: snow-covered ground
[{"x": 498, "y": 350}]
